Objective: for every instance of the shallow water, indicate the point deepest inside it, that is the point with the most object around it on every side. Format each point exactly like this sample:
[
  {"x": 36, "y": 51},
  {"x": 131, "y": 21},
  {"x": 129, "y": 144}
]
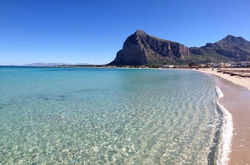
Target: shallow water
[{"x": 106, "y": 116}]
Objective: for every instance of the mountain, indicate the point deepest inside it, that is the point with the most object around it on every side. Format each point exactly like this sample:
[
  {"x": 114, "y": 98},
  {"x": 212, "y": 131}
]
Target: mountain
[
  {"x": 143, "y": 49},
  {"x": 44, "y": 64},
  {"x": 229, "y": 48},
  {"x": 53, "y": 64}
]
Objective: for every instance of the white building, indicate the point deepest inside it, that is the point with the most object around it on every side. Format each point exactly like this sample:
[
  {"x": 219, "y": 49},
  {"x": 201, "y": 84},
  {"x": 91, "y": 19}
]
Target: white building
[{"x": 245, "y": 64}]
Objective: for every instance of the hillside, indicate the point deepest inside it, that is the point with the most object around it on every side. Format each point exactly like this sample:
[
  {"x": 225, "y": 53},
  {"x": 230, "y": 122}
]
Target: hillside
[{"x": 143, "y": 49}]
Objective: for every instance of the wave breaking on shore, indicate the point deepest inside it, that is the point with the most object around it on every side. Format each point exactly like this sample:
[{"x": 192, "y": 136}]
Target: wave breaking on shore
[{"x": 227, "y": 133}]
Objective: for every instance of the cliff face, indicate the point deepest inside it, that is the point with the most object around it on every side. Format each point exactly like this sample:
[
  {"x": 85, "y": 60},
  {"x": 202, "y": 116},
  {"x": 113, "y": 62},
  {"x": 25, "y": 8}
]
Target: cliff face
[{"x": 143, "y": 49}]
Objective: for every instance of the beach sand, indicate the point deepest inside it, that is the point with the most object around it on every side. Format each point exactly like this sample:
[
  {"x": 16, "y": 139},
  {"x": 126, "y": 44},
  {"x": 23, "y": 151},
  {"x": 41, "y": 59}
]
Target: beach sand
[
  {"x": 237, "y": 101},
  {"x": 242, "y": 81}
]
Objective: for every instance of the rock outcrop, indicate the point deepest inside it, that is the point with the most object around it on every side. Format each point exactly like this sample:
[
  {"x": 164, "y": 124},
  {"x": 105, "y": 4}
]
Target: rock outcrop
[{"x": 143, "y": 49}]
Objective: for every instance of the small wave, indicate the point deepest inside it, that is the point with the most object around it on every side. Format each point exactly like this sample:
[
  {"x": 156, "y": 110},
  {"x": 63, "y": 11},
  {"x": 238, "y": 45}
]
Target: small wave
[{"x": 227, "y": 133}]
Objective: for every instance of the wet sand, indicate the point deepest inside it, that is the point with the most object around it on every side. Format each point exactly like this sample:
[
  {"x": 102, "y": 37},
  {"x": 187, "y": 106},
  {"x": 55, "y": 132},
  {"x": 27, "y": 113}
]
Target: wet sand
[{"x": 237, "y": 101}]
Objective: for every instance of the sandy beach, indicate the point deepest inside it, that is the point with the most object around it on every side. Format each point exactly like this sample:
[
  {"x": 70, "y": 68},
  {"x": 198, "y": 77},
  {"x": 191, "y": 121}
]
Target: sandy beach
[
  {"x": 236, "y": 100},
  {"x": 242, "y": 81}
]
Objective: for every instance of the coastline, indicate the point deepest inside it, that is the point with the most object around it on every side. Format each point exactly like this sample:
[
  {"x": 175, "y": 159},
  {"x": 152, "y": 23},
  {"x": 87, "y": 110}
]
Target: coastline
[
  {"x": 235, "y": 100},
  {"x": 241, "y": 81},
  {"x": 224, "y": 147}
]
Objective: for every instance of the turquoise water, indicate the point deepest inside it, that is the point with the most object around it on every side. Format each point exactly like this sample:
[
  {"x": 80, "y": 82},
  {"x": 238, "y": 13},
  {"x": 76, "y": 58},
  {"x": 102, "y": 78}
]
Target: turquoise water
[{"x": 106, "y": 116}]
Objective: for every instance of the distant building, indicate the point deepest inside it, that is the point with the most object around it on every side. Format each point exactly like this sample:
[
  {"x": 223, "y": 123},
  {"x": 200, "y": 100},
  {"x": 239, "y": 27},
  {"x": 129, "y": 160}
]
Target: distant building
[
  {"x": 245, "y": 64},
  {"x": 226, "y": 65},
  {"x": 181, "y": 66},
  {"x": 168, "y": 66},
  {"x": 234, "y": 65},
  {"x": 203, "y": 65},
  {"x": 215, "y": 65}
]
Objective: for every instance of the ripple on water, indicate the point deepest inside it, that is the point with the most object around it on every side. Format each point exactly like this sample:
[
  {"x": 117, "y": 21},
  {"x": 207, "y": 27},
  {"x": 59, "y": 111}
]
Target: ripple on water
[{"x": 121, "y": 117}]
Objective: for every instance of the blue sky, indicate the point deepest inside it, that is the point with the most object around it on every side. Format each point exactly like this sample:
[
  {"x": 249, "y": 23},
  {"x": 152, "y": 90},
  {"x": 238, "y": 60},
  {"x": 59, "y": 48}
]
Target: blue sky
[{"x": 92, "y": 31}]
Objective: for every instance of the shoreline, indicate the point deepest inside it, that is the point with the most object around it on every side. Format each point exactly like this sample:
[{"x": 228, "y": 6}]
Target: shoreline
[
  {"x": 241, "y": 81},
  {"x": 236, "y": 96},
  {"x": 224, "y": 147}
]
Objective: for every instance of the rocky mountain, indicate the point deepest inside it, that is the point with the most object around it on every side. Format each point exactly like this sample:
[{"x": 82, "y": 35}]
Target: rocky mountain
[
  {"x": 44, "y": 64},
  {"x": 229, "y": 48},
  {"x": 40, "y": 64},
  {"x": 143, "y": 49}
]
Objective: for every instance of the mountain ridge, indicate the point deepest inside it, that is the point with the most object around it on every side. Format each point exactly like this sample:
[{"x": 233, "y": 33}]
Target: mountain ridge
[{"x": 141, "y": 48}]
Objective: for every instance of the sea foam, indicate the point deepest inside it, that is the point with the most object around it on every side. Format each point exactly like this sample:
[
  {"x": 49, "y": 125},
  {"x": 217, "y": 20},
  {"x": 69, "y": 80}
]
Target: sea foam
[{"x": 227, "y": 133}]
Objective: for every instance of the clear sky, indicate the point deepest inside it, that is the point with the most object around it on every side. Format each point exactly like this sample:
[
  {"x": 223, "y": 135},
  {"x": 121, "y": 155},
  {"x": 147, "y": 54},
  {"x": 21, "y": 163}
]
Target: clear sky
[{"x": 92, "y": 31}]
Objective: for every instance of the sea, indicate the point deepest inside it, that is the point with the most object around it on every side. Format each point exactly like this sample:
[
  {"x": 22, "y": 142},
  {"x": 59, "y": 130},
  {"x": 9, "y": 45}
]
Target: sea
[{"x": 52, "y": 115}]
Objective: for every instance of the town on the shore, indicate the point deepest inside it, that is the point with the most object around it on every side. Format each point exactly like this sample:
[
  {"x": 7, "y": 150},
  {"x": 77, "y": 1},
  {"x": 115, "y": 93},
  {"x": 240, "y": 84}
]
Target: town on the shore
[{"x": 241, "y": 64}]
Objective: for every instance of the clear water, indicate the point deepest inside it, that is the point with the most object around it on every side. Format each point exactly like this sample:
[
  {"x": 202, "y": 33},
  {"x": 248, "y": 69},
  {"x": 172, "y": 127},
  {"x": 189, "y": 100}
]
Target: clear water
[{"x": 106, "y": 116}]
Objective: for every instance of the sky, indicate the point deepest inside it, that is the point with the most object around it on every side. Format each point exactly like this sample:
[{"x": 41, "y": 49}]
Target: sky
[{"x": 92, "y": 31}]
